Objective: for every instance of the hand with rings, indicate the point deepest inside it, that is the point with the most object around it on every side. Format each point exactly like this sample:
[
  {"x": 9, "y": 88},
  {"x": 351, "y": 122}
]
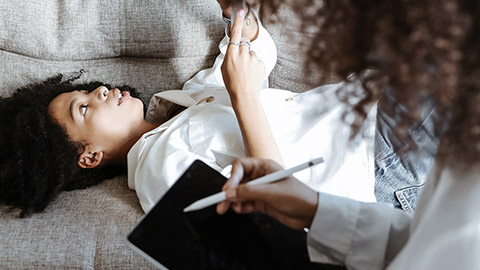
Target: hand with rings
[
  {"x": 246, "y": 42},
  {"x": 242, "y": 72}
]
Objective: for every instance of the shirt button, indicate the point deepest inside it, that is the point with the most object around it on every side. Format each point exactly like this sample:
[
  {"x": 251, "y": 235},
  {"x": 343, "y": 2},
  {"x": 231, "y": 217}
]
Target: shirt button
[{"x": 210, "y": 99}]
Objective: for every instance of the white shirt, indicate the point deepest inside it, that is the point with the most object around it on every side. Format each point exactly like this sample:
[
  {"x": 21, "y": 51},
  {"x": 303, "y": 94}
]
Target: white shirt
[
  {"x": 444, "y": 232},
  {"x": 305, "y": 126}
]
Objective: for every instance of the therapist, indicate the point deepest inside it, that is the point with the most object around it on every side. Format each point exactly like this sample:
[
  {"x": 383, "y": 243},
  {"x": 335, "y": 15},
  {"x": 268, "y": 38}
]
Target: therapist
[{"x": 433, "y": 54}]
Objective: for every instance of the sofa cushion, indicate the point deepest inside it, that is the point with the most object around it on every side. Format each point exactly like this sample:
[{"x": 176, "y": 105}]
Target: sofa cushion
[
  {"x": 82, "y": 229},
  {"x": 148, "y": 44}
]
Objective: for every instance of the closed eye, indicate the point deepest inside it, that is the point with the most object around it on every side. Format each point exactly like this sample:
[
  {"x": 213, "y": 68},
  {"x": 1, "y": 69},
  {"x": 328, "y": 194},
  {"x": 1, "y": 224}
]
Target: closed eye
[{"x": 83, "y": 109}]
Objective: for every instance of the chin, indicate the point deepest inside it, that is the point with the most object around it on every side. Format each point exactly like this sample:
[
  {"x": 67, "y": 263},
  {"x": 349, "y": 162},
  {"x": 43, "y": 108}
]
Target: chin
[{"x": 140, "y": 107}]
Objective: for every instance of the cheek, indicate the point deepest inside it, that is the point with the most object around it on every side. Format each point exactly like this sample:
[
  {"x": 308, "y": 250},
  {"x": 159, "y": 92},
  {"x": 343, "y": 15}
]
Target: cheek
[
  {"x": 103, "y": 120},
  {"x": 123, "y": 117},
  {"x": 104, "y": 126},
  {"x": 113, "y": 120}
]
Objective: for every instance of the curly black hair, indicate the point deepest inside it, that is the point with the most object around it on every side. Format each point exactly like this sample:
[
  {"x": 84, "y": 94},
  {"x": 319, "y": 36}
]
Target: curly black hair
[
  {"x": 37, "y": 158},
  {"x": 419, "y": 49}
]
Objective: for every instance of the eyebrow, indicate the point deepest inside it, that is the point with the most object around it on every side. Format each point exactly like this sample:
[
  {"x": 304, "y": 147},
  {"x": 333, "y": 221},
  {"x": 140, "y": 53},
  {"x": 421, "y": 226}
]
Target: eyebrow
[{"x": 71, "y": 108}]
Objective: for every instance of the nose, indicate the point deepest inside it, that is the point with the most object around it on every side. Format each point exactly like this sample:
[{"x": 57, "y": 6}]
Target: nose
[{"x": 101, "y": 93}]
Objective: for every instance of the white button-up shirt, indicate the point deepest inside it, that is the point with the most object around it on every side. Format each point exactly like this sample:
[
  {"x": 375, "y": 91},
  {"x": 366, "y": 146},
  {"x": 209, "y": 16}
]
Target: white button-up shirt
[{"x": 305, "y": 126}]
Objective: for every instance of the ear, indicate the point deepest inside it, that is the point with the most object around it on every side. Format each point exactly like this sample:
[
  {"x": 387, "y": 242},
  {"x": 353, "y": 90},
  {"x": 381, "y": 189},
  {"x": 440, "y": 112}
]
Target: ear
[{"x": 89, "y": 160}]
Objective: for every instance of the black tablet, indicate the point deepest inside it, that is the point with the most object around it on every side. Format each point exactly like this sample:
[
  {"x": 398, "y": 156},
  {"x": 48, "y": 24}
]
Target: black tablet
[{"x": 172, "y": 239}]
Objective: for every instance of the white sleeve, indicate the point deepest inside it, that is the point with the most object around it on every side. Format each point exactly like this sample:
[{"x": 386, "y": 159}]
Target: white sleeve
[
  {"x": 209, "y": 76},
  {"x": 355, "y": 234},
  {"x": 264, "y": 48}
]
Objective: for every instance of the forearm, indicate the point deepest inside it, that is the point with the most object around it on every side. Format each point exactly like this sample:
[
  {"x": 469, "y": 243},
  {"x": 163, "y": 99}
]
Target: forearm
[
  {"x": 257, "y": 135},
  {"x": 243, "y": 75}
]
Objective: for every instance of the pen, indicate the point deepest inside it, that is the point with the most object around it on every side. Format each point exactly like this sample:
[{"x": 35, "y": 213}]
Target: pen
[{"x": 275, "y": 176}]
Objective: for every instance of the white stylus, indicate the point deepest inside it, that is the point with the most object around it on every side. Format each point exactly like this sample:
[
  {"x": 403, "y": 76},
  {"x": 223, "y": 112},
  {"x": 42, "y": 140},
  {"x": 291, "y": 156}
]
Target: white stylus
[{"x": 275, "y": 176}]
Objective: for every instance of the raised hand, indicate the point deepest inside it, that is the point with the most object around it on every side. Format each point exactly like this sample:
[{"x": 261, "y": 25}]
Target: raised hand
[
  {"x": 244, "y": 75},
  {"x": 242, "y": 72}
]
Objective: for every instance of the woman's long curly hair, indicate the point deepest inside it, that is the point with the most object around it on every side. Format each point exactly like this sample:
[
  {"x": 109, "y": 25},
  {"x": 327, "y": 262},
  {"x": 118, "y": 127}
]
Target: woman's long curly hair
[
  {"x": 417, "y": 48},
  {"x": 37, "y": 158}
]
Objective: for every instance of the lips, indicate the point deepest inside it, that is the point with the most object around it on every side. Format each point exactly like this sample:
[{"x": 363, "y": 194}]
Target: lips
[{"x": 120, "y": 96}]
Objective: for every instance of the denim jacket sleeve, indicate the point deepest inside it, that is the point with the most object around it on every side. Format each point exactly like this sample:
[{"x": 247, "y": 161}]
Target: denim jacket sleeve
[{"x": 400, "y": 169}]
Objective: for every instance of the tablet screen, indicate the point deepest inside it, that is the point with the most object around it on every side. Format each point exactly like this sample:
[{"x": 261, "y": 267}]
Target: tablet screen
[{"x": 202, "y": 239}]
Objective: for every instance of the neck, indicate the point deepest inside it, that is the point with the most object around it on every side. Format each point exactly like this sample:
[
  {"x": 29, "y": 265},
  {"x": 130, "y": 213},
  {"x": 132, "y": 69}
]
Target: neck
[{"x": 120, "y": 157}]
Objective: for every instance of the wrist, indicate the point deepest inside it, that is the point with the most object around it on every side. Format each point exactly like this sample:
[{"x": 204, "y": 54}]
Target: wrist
[
  {"x": 312, "y": 208},
  {"x": 245, "y": 100}
]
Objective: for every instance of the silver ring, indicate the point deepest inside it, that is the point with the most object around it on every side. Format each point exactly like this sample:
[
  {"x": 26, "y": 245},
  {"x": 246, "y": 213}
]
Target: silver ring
[
  {"x": 246, "y": 43},
  {"x": 235, "y": 43}
]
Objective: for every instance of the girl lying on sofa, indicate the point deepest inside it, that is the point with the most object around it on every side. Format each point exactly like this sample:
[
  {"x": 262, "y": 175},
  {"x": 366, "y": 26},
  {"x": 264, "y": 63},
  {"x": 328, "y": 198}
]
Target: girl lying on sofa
[{"x": 57, "y": 135}]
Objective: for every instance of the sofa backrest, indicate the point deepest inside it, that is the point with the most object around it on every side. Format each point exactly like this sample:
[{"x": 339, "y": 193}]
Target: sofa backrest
[{"x": 151, "y": 45}]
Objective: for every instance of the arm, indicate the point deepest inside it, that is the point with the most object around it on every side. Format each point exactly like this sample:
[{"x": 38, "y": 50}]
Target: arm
[
  {"x": 243, "y": 75},
  {"x": 342, "y": 231},
  {"x": 356, "y": 234}
]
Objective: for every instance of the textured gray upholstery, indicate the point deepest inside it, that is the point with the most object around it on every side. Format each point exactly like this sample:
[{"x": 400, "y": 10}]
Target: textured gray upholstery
[{"x": 152, "y": 45}]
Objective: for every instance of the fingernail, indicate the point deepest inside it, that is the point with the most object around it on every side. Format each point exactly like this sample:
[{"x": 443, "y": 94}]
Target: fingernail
[{"x": 241, "y": 12}]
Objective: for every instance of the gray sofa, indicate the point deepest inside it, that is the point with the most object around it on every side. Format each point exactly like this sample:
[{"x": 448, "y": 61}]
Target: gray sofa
[{"x": 152, "y": 45}]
